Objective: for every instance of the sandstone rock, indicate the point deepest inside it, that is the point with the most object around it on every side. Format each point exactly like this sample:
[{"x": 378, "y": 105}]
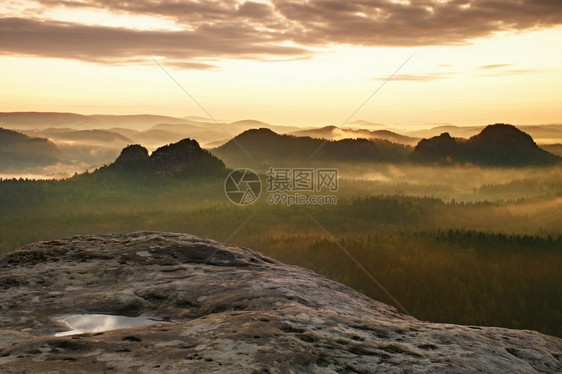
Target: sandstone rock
[
  {"x": 184, "y": 158},
  {"x": 133, "y": 155},
  {"x": 496, "y": 145},
  {"x": 224, "y": 309}
]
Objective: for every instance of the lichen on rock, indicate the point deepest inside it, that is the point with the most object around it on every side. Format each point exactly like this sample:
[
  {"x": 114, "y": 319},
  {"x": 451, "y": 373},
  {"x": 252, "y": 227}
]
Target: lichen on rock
[{"x": 221, "y": 308}]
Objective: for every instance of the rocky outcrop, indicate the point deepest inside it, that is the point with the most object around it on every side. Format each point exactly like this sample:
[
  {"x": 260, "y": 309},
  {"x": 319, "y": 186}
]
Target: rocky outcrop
[
  {"x": 224, "y": 309},
  {"x": 134, "y": 154},
  {"x": 437, "y": 149},
  {"x": 502, "y": 144},
  {"x": 184, "y": 158},
  {"x": 496, "y": 145}
]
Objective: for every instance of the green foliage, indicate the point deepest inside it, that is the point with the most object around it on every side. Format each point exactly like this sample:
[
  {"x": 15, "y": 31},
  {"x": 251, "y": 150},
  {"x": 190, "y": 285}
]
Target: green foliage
[
  {"x": 458, "y": 276},
  {"x": 492, "y": 263}
]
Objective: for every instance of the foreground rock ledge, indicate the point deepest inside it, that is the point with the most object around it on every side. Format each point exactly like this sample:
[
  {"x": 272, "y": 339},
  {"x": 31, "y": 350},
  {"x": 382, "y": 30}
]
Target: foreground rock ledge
[{"x": 225, "y": 309}]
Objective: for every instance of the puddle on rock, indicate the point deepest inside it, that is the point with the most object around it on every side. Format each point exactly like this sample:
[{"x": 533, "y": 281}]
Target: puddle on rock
[{"x": 84, "y": 323}]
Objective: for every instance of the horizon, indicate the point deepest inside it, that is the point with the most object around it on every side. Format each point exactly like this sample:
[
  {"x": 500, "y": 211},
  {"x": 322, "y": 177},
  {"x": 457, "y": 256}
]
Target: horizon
[{"x": 358, "y": 123}]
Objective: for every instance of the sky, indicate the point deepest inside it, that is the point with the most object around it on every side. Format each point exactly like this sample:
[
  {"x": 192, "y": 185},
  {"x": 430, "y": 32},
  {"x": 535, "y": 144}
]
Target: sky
[{"x": 287, "y": 62}]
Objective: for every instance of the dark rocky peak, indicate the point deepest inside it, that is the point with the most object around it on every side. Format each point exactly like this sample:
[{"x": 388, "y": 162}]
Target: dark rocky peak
[
  {"x": 180, "y": 153},
  {"x": 506, "y": 145},
  {"x": 438, "y": 148},
  {"x": 184, "y": 156},
  {"x": 495, "y": 145},
  {"x": 503, "y": 136},
  {"x": 443, "y": 139},
  {"x": 134, "y": 154},
  {"x": 182, "y": 149}
]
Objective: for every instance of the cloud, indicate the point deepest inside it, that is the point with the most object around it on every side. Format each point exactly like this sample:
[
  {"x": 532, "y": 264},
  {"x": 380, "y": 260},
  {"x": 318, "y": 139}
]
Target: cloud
[
  {"x": 422, "y": 22},
  {"x": 208, "y": 30},
  {"x": 502, "y": 73},
  {"x": 191, "y": 49},
  {"x": 494, "y": 66},
  {"x": 416, "y": 77},
  {"x": 499, "y": 70}
]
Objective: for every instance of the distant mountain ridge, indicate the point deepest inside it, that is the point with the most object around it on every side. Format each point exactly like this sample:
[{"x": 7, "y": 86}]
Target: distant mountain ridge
[
  {"x": 249, "y": 122},
  {"x": 97, "y": 136},
  {"x": 337, "y": 133},
  {"x": 369, "y": 124},
  {"x": 139, "y": 128},
  {"x": 41, "y": 120},
  {"x": 85, "y": 142},
  {"x": 496, "y": 145}
]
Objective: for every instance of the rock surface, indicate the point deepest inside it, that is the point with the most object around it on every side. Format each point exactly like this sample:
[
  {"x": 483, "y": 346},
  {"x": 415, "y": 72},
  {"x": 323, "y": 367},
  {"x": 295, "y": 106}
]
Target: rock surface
[{"x": 225, "y": 309}]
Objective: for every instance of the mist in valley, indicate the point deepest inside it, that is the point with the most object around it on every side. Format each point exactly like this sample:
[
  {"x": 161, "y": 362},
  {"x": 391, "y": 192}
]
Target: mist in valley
[{"x": 483, "y": 240}]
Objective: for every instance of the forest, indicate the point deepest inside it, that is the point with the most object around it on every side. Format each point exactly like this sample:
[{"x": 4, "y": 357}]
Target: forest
[{"x": 477, "y": 246}]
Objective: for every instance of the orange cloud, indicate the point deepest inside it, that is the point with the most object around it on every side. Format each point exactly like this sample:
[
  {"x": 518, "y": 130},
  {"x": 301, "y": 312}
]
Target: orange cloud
[{"x": 211, "y": 29}]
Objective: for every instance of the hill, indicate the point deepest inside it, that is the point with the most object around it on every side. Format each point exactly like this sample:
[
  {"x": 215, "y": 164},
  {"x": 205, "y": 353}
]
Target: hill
[
  {"x": 542, "y": 134},
  {"x": 184, "y": 158},
  {"x": 495, "y": 145},
  {"x": 454, "y": 131},
  {"x": 209, "y": 132},
  {"x": 368, "y": 124},
  {"x": 553, "y": 148},
  {"x": 152, "y": 138},
  {"x": 238, "y": 127},
  {"x": 249, "y": 123},
  {"x": 271, "y": 148},
  {"x": 200, "y": 119},
  {"x": 336, "y": 133},
  {"x": 18, "y": 151},
  {"x": 203, "y": 129},
  {"x": 176, "y": 303},
  {"x": 83, "y": 137}
]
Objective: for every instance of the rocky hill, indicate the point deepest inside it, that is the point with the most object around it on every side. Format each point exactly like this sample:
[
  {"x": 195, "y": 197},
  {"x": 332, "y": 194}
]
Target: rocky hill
[
  {"x": 496, "y": 145},
  {"x": 336, "y": 133},
  {"x": 184, "y": 158},
  {"x": 272, "y": 149},
  {"x": 163, "y": 302},
  {"x": 18, "y": 151}
]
